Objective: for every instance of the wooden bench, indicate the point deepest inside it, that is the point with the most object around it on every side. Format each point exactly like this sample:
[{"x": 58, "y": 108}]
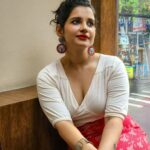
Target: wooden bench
[{"x": 23, "y": 126}]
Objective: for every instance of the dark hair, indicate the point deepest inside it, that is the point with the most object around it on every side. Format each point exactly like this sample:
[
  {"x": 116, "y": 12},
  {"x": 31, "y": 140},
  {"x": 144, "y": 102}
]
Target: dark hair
[{"x": 66, "y": 7}]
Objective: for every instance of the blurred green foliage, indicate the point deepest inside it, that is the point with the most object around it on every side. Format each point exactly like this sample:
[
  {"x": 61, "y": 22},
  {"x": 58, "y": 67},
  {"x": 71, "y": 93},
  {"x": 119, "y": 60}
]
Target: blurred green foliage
[{"x": 134, "y": 7}]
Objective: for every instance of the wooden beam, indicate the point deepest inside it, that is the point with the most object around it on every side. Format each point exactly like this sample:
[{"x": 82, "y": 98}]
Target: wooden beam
[
  {"x": 108, "y": 26},
  {"x": 96, "y": 4}
]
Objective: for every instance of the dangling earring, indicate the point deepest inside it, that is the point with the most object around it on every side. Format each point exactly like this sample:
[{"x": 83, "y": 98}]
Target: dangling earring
[
  {"x": 91, "y": 50},
  {"x": 61, "y": 48}
]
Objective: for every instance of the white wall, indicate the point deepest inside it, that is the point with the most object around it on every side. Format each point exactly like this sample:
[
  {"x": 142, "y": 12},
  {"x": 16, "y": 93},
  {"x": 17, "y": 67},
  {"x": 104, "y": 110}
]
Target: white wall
[{"x": 27, "y": 41}]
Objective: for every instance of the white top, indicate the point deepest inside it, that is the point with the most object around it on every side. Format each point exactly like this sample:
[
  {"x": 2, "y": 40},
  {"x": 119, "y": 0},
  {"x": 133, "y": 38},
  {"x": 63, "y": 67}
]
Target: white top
[{"x": 107, "y": 95}]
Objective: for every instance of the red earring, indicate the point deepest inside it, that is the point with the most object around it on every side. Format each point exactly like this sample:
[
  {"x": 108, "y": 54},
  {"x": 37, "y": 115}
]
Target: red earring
[
  {"x": 61, "y": 48},
  {"x": 91, "y": 50}
]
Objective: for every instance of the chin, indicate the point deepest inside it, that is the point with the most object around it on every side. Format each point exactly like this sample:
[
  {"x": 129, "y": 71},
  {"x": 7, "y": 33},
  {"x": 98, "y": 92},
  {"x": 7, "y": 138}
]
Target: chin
[{"x": 83, "y": 44}]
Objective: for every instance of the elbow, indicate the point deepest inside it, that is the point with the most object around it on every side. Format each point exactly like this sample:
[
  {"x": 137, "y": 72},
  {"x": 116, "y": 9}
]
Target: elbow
[{"x": 114, "y": 122}]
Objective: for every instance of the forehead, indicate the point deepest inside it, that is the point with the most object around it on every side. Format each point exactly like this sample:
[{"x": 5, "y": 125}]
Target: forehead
[{"x": 83, "y": 12}]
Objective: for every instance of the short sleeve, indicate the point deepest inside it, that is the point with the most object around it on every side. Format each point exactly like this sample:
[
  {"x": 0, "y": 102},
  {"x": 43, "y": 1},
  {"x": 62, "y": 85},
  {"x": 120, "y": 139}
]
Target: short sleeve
[
  {"x": 50, "y": 99},
  {"x": 118, "y": 91}
]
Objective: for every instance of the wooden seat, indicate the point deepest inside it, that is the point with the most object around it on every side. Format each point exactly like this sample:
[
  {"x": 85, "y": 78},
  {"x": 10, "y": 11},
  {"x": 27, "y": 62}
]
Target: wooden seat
[{"x": 23, "y": 125}]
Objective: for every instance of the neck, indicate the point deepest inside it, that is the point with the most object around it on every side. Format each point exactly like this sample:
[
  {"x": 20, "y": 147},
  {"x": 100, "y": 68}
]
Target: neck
[{"x": 77, "y": 58}]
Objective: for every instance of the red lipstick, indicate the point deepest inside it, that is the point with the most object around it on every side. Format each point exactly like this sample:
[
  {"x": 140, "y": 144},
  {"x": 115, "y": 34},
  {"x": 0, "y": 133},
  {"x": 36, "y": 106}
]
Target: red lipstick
[{"x": 82, "y": 37}]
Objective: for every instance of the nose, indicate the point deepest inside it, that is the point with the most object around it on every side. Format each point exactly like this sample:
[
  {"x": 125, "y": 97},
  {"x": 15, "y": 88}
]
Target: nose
[{"x": 84, "y": 27}]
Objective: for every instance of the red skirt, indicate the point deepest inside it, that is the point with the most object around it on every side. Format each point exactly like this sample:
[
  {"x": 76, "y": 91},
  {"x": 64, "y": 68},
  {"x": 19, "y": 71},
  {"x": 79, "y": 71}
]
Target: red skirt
[{"x": 132, "y": 136}]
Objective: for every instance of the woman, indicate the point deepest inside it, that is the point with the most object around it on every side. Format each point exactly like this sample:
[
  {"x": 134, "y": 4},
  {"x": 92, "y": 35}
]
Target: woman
[{"x": 85, "y": 94}]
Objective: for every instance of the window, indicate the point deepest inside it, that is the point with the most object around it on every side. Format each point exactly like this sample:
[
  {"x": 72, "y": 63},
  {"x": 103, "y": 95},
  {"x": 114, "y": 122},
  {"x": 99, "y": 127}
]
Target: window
[{"x": 134, "y": 37}]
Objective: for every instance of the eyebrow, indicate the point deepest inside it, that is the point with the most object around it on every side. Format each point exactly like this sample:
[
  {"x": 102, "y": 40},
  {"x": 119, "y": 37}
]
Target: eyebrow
[{"x": 73, "y": 18}]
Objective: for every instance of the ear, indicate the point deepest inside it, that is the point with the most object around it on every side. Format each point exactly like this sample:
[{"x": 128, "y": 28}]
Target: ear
[{"x": 59, "y": 30}]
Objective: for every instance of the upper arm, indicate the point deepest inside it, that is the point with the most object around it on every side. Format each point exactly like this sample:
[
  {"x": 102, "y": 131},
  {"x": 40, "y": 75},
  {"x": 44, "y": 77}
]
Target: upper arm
[
  {"x": 51, "y": 100},
  {"x": 118, "y": 91}
]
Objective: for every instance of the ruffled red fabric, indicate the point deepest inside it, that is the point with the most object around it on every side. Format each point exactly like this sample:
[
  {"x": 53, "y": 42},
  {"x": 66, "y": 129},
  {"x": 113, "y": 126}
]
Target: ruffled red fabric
[{"x": 132, "y": 137}]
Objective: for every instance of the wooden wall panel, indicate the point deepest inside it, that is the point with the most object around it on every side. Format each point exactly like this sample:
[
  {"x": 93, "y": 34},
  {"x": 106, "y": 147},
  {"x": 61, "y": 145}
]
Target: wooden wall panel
[
  {"x": 16, "y": 126},
  {"x": 96, "y": 4},
  {"x": 107, "y": 14},
  {"x": 108, "y": 26},
  {"x": 23, "y": 125}
]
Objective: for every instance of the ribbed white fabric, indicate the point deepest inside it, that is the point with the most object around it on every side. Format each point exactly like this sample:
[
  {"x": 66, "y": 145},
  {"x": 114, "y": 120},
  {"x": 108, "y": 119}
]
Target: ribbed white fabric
[{"x": 107, "y": 95}]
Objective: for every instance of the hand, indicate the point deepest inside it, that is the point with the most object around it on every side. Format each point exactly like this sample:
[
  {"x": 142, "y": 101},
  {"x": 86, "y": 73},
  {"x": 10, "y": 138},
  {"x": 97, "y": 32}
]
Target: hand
[{"x": 88, "y": 146}]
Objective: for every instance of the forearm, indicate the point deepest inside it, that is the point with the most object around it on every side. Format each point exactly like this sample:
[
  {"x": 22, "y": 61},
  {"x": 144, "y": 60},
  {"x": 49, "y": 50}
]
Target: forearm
[
  {"x": 111, "y": 133},
  {"x": 69, "y": 133}
]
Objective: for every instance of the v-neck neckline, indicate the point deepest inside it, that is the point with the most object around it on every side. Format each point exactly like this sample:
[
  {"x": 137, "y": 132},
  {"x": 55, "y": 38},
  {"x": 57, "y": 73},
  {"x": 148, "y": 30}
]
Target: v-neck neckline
[{"x": 88, "y": 91}]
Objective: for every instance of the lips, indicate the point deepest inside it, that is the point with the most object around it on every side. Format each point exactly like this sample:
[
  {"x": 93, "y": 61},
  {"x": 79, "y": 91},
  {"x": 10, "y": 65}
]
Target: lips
[{"x": 82, "y": 37}]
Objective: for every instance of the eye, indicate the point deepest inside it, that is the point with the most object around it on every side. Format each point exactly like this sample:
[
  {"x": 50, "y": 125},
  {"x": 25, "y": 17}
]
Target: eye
[
  {"x": 90, "y": 23},
  {"x": 75, "y": 22}
]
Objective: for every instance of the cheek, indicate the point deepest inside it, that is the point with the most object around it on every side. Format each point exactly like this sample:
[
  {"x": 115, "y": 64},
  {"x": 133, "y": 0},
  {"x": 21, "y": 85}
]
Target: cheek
[
  {"x": 93, "y": 33},
  {"x": 70, "y": 33},
  {"x": 71, "y": 28}
]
